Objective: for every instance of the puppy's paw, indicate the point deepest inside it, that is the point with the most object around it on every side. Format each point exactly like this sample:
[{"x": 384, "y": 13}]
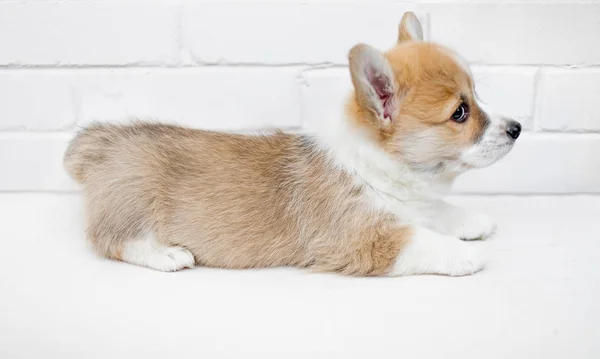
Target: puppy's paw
[
  {"x": 462, "y": 259},
  {"x": 428, "y": 252},
  {"x": 171, "y": 259},
  {"x": 148, "y": 252},
  {"x": 475, "y": 226}
]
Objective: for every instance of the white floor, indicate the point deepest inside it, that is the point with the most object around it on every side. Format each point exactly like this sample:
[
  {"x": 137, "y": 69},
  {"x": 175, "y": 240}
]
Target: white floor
[{"x": 539, "y": 297}]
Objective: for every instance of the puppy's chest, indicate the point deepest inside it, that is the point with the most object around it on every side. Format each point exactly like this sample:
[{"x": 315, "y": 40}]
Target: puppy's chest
[{"x": 409, "y": 203}]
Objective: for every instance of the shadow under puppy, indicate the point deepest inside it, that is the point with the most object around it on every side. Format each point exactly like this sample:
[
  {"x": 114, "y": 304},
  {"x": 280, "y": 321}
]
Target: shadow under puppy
[{"x": 359, "y": 197}]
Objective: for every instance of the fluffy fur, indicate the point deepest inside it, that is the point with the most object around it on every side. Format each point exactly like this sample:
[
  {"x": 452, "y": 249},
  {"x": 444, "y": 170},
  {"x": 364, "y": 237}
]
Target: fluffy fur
[{"x": 360, "y": 197}]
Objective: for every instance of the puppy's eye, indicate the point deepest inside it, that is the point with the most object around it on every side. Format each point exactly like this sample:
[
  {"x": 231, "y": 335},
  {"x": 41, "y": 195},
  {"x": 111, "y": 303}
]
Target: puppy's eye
[{"x": 461, "y": 113}]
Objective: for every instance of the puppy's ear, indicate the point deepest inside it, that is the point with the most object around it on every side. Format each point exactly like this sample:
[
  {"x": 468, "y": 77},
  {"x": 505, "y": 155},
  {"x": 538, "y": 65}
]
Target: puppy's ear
[
  {"x": 410, "y": 28},
  {"x": 374, "y": 82}
]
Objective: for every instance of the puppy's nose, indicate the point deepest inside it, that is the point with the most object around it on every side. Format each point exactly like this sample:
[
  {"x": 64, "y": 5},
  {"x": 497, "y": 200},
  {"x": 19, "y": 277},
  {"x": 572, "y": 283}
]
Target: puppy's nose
[{"x": 513, "y": 129}]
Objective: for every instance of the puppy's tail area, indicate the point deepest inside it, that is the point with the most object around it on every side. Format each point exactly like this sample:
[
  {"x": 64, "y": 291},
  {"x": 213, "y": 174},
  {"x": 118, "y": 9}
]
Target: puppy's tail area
[{"x": 85, "y": 151}]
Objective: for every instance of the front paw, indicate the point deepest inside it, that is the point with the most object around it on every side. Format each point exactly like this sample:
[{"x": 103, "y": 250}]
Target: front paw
[{"x": 475, "y": 226}]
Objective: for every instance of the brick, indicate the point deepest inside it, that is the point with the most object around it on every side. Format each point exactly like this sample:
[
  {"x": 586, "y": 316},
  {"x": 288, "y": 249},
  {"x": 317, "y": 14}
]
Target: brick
[
  {"x": 96, "y": 33},
  {"x": 294, "y": 32},
  {"x": 503, "y": 90},
  {"x": 323, "y": 93},
  {"x": 518, "y": 33},
  {"x": 211, "y": 98},
  {"x": 508, "y": 91},
  {"x": 33, "y": 162},
  {"x": 35, "y": 100},
  {"x": 568, "y": 100},
  {"x": 540, "y": 164}
]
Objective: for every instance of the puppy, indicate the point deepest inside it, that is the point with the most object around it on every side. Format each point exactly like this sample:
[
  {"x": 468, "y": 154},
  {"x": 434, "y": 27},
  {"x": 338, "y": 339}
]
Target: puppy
[{"x": 360, "y": 197}]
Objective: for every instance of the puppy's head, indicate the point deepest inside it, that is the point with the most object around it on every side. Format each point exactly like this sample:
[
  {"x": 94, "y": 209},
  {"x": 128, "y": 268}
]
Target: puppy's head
[{"x": 417, "y": 102}]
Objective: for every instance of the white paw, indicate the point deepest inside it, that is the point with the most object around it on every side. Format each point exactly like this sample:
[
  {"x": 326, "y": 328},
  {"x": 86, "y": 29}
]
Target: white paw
[
  {"x": 475, "y": 226},
  {"x": 148, "y": 252},
  {"x": 462, "y": 259},
  {"x": 171, "y": 259},
  {"x": 429, "y": 252}
]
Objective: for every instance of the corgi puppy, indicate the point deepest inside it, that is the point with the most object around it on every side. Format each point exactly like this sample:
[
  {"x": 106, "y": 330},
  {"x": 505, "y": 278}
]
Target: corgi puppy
[{"x": 359, "y": 197}]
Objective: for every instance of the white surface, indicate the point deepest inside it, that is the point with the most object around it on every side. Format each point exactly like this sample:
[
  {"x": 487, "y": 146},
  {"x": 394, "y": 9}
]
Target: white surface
[{"x": 539, "y": 296}]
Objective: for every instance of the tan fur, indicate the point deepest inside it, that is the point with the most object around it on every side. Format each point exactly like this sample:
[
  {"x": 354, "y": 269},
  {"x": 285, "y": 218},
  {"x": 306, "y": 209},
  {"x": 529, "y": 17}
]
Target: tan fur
[
  {"x": 234, "y": 201},
  {"x": 261, "y": 201}
]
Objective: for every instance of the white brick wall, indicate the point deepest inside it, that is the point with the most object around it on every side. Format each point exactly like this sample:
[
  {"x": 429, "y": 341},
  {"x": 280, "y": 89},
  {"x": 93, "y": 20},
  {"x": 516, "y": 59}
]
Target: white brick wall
[
  {"x": 287, "y": 32},
  {"x": 569, "y": 100},
  {"x": 250, "y": 64},
  {"x": 223, "y": 98},
  {"x": 88, "y": 32},
  {"x": 519, "y": 32}
]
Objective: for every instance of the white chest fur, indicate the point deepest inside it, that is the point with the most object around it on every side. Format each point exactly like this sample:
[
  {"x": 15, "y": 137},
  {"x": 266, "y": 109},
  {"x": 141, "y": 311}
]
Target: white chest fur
[{"x": 390, "y": 186}]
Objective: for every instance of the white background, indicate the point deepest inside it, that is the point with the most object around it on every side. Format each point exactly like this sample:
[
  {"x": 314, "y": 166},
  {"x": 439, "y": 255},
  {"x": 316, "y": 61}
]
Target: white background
[{"x": 246, "y": 65}]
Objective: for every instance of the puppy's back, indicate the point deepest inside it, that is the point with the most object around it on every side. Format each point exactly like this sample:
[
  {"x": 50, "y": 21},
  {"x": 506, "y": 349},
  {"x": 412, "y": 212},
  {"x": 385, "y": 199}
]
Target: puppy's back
[
  {"x": 102, "y": 145},
  {"x": 184, "y": 185}
]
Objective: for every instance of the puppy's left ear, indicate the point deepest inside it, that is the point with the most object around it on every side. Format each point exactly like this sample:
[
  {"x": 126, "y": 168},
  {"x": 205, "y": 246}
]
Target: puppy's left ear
[
  {"x": 374, "y": 83},
  {"x": 410, "y": 28}
]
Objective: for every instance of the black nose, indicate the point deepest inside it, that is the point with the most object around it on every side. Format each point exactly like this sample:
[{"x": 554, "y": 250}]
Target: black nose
[{"x": 513, "y": 129}]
